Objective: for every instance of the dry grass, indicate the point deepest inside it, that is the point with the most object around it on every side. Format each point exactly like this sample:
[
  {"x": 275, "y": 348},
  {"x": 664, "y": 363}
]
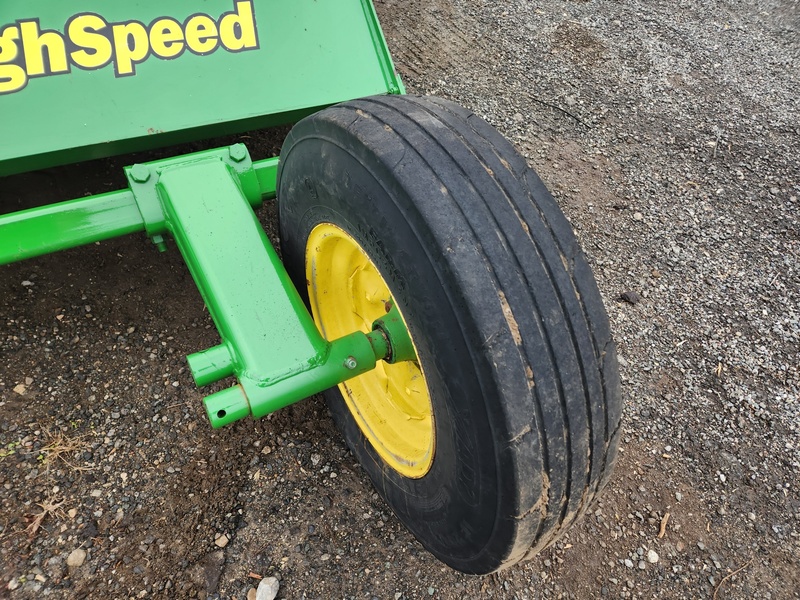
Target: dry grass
[{"x": 61, "y": 447}]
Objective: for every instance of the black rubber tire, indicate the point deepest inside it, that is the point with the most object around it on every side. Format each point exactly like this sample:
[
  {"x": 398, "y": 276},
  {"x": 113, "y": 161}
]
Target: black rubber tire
[{"x": 508, "y": 322}]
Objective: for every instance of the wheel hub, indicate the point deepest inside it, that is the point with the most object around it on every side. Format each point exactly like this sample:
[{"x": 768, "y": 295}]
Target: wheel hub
[{"x": 391, "y": 404}]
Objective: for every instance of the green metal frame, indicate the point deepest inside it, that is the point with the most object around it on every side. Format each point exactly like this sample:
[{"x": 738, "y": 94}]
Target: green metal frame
[
  {"x": 205, "y": 202},
  {"x": 173, "y": 74}
]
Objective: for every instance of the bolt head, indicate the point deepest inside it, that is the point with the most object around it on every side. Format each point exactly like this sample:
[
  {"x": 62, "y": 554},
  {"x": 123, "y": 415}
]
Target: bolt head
[
  {"x": 350, "y": 363},
  {"x": 238, "y": 152},
  {"x": 140, "y": 173}
]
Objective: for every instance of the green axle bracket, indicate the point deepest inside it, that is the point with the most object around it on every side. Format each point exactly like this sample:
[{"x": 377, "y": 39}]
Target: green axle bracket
[
  {"x": 205, "y": 201},
  {"x": 269, "y": 340}
]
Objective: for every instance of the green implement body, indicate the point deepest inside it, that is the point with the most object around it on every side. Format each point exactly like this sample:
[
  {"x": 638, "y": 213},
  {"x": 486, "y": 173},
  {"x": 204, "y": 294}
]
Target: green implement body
[
  {"x": 93, "y": 79},
  {"x": 81, "y": 80}
]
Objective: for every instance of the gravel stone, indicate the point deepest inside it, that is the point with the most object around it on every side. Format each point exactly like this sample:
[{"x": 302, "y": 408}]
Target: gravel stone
[
  {"x": 76, "y": 558},
  {"x": 267, "y": 589}
]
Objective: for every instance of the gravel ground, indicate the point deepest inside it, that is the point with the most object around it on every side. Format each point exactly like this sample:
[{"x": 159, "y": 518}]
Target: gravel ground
[{"x": 668, "y": 131}]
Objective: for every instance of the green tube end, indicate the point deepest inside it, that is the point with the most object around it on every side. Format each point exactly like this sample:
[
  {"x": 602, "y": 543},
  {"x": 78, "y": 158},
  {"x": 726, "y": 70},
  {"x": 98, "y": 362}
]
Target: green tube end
[
  {"x": 211, "y": 365},
  {"x": 226, "y": 406}
]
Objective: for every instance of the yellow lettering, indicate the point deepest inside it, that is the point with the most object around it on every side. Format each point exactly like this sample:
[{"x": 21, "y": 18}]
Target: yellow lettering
[
  {"x": 97, "y": 51},
  {"x": 12, "y": 77},
  {"x": 237, "y": 30},
  {"x": 89, "y": 41},
  {"x": 166, "y": 38},
  {"x": 35, "y": 42},
  {"x": 131, "y": 45},
  {"x": 201, "y": 34}
]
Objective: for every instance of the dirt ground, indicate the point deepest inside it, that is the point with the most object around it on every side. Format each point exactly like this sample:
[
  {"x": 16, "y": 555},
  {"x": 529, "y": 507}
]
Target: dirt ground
[{"x": 670, "y": 134}]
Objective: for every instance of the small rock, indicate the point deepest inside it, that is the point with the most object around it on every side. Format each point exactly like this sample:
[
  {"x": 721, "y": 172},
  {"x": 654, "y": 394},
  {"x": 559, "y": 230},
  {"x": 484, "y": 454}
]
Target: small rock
[
  {"x": 268, "y": 589},
  {"x": 27, "y": 283},
  {"x": 629, "y": 563},
  {"x": 29, "y": 381},
  {"x": 637, "y": 216},
  {"x": 251, "y": 594},
  {"x": 642, "y": 565},
  {"x": 55, "y": 567},
  {"x": 222, "y": 541},
  {"x": 19, "y": 389},
  {"x": 652, "y": 556},
  {"x": 13, "y": 584},
  {"x": 678, "y": 496},
  {"x": 212, "y": 569},
  {"x": 701, "y": 545},
  {"x": 76, "y": 558},
  {"x": 630, "y": 297}
]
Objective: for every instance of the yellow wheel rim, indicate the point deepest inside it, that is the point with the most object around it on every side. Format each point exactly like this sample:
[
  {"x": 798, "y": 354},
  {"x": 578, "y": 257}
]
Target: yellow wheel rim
[{"x": 391, "y": 403}]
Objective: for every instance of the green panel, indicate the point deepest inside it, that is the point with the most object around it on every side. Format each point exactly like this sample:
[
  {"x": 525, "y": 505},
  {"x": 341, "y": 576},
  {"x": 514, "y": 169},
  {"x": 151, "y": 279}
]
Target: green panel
[{"x": 298, "y": 56}]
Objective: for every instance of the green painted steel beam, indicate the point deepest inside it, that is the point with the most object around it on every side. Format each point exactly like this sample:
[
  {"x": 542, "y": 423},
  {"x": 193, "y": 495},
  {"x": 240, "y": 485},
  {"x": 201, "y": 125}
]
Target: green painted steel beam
[
  {"x": 269, "y": 340},
  {"x": 205, "y": 202},
  {"x": 39, "y": 231},
  {"x": 267, "y": 173}
]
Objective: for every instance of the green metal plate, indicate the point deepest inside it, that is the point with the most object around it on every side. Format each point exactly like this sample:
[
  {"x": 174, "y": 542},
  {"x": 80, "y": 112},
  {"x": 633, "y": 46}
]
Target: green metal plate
[{"x": 89, "y": 78}]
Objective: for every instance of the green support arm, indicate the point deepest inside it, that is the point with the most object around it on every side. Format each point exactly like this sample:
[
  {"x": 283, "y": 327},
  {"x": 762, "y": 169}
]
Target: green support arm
[{"x": 205, "y": 202}]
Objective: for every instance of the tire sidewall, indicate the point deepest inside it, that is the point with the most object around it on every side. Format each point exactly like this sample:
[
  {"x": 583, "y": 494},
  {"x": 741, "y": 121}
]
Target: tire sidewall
[{"x": 454, "y": 507}]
